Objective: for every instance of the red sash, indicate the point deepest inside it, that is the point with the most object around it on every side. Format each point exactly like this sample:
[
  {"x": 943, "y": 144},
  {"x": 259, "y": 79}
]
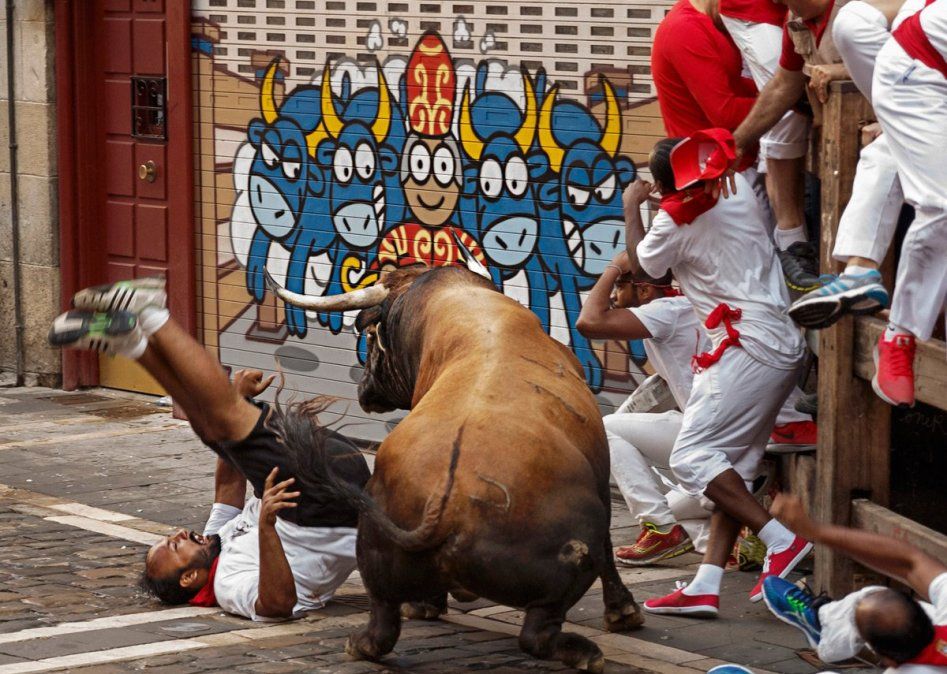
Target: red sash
[
  {"x": 206, "y": 597},
  {"x": 910, "y": 35},
  {"x": 936, "y": 651},
  {"x": 687, "y": 205},
  {"x": 722, "y": 314}
]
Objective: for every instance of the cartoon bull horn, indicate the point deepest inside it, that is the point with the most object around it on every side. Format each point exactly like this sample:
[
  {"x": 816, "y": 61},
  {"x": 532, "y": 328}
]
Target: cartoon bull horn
[
  {"x": 611, "y": 138},
  {"x": 357, "y": 299},
  {"x": 524, "y": 137},
  {"x": 267, "y": 95},
  {"x": 315, "y": 137},
  {"x": 473, "y": 264},
  {"x": 382, "y": 122},
  {"x": 547, "y": 139},
  {"x": 473, "y": 146},
  {"x": 330, "y": 119}
]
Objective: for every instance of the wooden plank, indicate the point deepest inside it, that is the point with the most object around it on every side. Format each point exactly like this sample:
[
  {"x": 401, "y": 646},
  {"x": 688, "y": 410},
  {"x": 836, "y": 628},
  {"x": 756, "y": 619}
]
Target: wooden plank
[
  {"x": 854, "y": 424},
  {"x": 873, "y": 517},
  {"x": 930, "y": 366}
]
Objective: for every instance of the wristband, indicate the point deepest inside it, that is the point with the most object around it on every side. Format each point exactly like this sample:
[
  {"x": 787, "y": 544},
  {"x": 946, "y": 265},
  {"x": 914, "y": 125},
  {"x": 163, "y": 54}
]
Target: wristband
[{"x": 615, "y": 267}]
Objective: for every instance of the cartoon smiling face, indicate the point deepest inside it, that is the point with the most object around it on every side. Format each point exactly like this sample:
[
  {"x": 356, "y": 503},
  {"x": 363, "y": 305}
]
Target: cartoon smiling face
[{"x": 430, "y": 173}]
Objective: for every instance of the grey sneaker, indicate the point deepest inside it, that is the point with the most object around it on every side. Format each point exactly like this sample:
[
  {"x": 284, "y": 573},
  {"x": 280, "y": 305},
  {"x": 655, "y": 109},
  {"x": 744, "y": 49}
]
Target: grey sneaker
[
  {"x": 109, "y": 333},
  {"x": 800, "y": 263},
  {"x": 847, "y": 294},
  {"x": 131, "y": 296}
]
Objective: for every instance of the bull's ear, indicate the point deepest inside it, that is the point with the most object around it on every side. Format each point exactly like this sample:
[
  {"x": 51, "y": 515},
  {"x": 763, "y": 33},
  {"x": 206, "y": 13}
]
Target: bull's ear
[
  {"x": 325, "y": 153},
  {"x": 388, "y": 159},
  {"x": 626, "y": 171},
  {"x": 538, "y": 164},
  {"x": 480, "y": 85},
  {"x": 367, "y": 318},
  {"x": 255, "y": 132}
]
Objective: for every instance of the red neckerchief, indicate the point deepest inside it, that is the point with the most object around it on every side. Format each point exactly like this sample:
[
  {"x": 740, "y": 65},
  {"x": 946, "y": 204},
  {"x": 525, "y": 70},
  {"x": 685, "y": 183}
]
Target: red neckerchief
[
  {"x": 206, "y": 597},
  {"x": 935, "y": 653},
  {"x": 687, "y": 205},
  {"x": 724, "y": 313}
]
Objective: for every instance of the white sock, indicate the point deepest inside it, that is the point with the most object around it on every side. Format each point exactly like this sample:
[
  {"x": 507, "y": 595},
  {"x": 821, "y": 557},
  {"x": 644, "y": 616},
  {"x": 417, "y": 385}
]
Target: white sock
[
  {"x": 786, "y": 237},
  {"x": 707, "y": 581},
  {"x": 776, "y": 537},
  {"x": 855, "y": 270},
  {"x": 151, "y": 319},
  {"x": 893, "y": 330},
  {"x": 137, "y": 343}
]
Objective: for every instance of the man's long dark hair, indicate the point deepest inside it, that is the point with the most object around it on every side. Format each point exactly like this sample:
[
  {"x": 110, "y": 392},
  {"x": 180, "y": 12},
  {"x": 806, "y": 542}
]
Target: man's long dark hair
[
  {"x": 167, "y": 590},
  {"x": 659, "y": 163}
]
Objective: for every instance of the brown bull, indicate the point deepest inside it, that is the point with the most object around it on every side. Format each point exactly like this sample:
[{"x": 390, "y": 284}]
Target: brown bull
[{"x": 496, "y": 483}]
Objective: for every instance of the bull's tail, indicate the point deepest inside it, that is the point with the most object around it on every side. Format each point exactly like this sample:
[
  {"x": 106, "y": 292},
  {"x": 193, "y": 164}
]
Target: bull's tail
[{"x": 306, "y": 439}]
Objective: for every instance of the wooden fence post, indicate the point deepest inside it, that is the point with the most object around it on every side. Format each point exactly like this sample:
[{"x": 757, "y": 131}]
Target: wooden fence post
[{"x": 853, "y": 459}]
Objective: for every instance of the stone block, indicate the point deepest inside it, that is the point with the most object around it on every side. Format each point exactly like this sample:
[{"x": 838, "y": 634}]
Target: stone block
[
  {"x": 4, "y": 131},
  {"x": 36, "y": 138},
  {"x": 39, "y": 220},
  {"x": 6, "y": 226},
  {"x": 34, "y": 48},
  {"x": 40, "y": 306},
  {"x": 32, "y": 10}
]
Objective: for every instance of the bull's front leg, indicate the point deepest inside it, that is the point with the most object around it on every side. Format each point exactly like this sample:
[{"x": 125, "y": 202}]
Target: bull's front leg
[
  {"x": 334, "y": 319},
  {"x": 538, "y": 291},
  {"x": 622, "y": 613},
  {"x": 256, "y": 263},
  {"x": 296, "y": 282}
]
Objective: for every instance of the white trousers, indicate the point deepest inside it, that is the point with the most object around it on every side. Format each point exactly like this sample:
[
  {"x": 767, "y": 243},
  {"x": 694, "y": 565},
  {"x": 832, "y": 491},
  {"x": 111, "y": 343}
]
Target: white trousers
[
  {"x": 910, "y": 101},
  {"x": 729, "y": 416},
  {"x": 639, "y": 443},
  {"x": 761, "y": 44}
]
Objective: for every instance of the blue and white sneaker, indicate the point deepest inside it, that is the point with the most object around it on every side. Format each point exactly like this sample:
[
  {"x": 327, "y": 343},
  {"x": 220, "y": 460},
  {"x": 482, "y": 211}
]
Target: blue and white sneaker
[
  {"x": 795, "y": 606},
  {"x": 847, "y": 294}
]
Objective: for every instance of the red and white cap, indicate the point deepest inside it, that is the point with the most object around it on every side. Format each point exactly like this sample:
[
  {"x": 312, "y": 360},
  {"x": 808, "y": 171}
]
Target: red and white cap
[{"x": 705, "y": 155}]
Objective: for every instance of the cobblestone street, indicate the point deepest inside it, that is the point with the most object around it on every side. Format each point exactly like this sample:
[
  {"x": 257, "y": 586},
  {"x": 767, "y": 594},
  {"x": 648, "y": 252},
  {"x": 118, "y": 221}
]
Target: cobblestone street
[{"x": 89, "y": 479}]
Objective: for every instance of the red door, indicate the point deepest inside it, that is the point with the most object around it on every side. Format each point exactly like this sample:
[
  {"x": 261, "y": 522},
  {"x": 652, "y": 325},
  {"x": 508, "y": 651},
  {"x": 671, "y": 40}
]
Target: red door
[{"x": 137, "y": 97}]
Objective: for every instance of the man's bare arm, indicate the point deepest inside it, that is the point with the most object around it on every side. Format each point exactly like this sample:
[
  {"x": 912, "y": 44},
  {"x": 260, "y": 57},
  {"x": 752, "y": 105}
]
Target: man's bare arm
[
  {"x": 230, "y": 486},
  {"x": 778, "y": 97},
  {"x": 276, "y": 593},
  {"x": 902, "y": 561},
  {"x": 598, "y": 319},
  {"x": 635, "y": 194}
]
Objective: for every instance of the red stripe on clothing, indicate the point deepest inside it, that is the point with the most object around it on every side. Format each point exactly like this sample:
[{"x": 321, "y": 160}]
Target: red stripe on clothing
[{"x": 913, "y": 40}]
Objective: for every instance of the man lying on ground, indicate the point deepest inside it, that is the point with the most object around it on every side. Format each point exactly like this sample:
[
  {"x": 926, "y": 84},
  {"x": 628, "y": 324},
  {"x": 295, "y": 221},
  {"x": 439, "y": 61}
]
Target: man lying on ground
[
  {"x": 286, "y": 552},
  {"x": 909, "y": 635}
]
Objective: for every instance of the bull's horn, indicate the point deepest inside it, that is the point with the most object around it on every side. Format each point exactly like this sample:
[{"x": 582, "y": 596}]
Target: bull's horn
[
  {"x": 267, "y": 95},
  {"x": 547, "y": 140},
  {"x": 330, "y": 119},
  {"x": 524, "y": 137},
  {"x": 473, "y": 146},
  {"x": 383, "y": 116},
  {"x": 611, "y": 138},
  {"x": 357, "y": 299},
  {"x": 473, "y": 264}
]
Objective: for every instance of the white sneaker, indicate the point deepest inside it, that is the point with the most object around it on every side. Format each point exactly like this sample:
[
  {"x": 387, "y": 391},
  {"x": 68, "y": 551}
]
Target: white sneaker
[{"x": 133, "y": 296}]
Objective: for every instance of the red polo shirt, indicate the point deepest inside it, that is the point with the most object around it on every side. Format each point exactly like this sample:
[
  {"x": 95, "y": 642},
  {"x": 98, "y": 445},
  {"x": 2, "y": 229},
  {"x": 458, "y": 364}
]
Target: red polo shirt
[
  {"x": 697, "y": 73},
  {"x": 755, "y": 11},
  {"x": 789, "y": 59}
]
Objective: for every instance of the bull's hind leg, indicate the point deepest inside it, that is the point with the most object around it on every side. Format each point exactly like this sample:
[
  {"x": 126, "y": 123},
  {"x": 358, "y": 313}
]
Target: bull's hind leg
[
  {"x": 542, "y": 637},
  {"x": 431, "y": 608},
  {"x": 381, "y": 634},
  {"x": 621, "y": 611}
]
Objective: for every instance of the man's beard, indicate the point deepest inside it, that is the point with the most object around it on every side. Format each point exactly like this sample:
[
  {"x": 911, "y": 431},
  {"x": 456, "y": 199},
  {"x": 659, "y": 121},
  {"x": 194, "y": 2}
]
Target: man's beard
[{"x": 211, "y": 551}]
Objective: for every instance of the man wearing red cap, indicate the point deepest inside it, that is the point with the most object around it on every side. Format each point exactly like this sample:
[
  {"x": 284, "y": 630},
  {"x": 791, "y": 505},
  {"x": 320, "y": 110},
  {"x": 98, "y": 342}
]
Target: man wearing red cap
[{"x": 720, "y": 253}]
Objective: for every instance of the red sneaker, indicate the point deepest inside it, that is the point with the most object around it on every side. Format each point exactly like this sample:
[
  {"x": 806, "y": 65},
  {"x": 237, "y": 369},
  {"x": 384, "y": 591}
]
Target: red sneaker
[
  {"x": 798, "y": 436},
  {"x": 781, "y": 564},
  {"x": 894, "y": 370},
  {"x": 653, "y": 546},
  {"x": 678, "y": 603}
]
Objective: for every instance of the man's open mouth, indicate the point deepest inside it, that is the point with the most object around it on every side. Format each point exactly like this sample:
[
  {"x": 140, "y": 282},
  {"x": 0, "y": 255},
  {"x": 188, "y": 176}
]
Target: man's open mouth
[{"x": 197, "y": 538}]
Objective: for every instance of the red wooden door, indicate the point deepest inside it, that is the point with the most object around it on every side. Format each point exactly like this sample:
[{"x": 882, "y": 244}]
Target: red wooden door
[{"x": 144, "y": 177}]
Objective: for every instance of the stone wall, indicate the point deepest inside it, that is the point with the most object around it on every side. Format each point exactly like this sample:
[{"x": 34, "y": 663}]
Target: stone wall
[{"x": 37, "y": 175}]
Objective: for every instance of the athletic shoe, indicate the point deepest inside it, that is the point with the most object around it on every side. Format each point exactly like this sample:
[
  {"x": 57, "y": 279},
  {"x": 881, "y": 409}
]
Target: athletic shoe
[
  {"x": 729, "y": 668},
  {"x": 131, "y": 296},
  {"x": 653, "y": 546},
  {"x": 781, "y": 564},
  {"x": 795, "y": 606},
  {"x": 894, "y": 370},
  {"x": 808, "y": 403},
  {"x": 848, "y": 294},
  {"x": 678, "y": 603},
  {"x": 751, "y": 553},
  {"x": 800, "y": 265},
  {"x": 108, "y": 333},
  {"x": 798, "y": 436}
]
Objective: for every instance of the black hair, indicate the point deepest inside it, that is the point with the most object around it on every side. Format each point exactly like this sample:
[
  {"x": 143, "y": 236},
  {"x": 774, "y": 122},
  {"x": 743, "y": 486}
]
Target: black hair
[
  {"x": 894, "y": 625},
  {"x": 168, "y": 589},
  {"x": 660, "y": 164}
]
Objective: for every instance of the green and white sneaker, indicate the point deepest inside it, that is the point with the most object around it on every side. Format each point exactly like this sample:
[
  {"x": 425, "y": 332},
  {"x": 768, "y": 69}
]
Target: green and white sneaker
[
  {"x": 113, "y": 333},
  {"x": 133, "y": 296}
]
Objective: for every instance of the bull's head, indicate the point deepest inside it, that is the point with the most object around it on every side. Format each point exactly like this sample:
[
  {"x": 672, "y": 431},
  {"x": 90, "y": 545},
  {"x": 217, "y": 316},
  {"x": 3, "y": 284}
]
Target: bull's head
[{"x": 389, "y": 318}]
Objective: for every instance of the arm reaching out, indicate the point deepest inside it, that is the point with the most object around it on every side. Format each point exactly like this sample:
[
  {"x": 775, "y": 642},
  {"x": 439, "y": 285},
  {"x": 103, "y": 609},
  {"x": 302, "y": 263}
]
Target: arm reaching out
[
  {"x": 777, "y": 98},
  {"x": 276, "y": 595},
  {"x": 904, "y": 562}
]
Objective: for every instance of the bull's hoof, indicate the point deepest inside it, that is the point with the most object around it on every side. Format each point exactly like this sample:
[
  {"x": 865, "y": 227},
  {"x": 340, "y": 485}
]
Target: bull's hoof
[
  {"x": 421, "y": 610},
  {"x": 629, "y": 618},
  {"x": 360, "y": 647},
  {"x": 463, "y": 596},
  {"x": 594, "y": 664}
]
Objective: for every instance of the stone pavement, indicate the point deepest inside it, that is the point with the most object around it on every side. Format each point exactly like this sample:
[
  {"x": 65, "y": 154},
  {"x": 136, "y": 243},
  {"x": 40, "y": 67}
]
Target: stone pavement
[{"x": 88, "y": 479}]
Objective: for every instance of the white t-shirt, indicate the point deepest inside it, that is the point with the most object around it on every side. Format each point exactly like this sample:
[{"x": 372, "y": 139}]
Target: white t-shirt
[
  {"x": 937, "y": 610},
  {"x": 726, "y": 256},
  {"x": 321, "y": 558},
  {"x": 675, "y": 337}
]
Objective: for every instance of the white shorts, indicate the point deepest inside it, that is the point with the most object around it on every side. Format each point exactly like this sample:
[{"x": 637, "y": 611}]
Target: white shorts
[
  {"x": 728, "y": 420},
  {"x": 761, "y": 44}
]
